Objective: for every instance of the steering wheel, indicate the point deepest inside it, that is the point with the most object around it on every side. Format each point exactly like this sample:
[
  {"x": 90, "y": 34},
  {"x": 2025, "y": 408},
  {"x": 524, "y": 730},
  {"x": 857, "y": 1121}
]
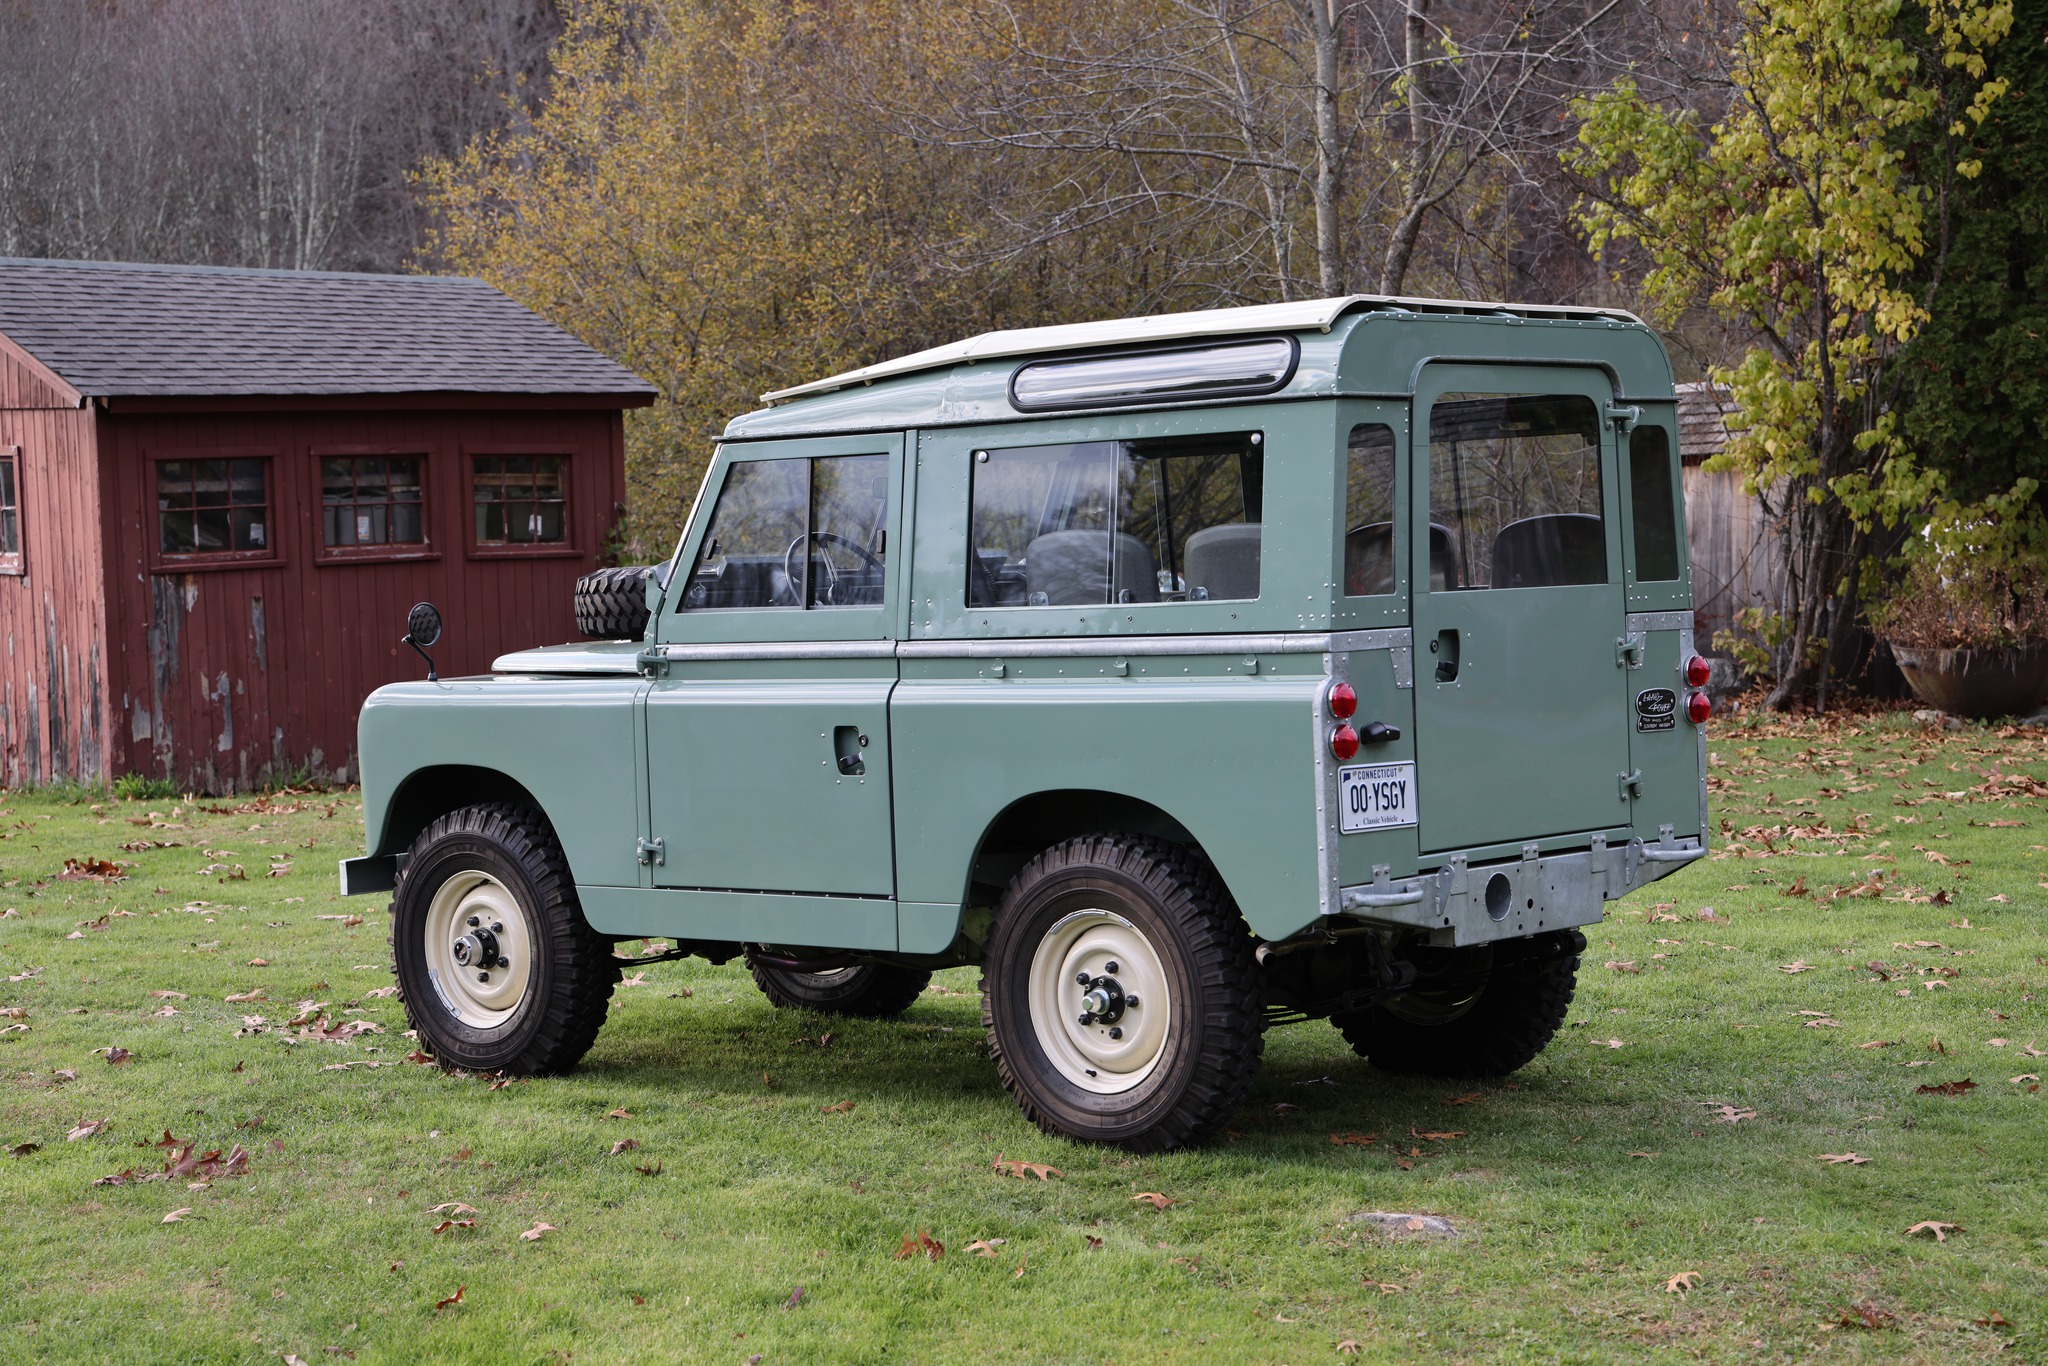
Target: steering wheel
[{"x": 827, "y": 538}]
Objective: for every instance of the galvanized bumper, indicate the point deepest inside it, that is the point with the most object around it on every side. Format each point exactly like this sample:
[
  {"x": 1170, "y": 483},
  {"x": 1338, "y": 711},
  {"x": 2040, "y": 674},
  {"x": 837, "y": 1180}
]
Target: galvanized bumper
[{"x": 1463, "y": 903}]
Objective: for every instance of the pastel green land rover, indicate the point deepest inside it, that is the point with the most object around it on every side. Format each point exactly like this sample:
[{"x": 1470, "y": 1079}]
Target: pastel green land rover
[{"x": 1188, "y": 674}]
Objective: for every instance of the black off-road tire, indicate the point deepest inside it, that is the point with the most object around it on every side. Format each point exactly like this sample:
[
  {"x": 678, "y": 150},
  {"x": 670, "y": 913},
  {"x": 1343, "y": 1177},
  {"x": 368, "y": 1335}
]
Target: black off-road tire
[
  {"x": 1215, "y": 1020},
  {"x": 1486, "y": 1028},
  {"x": 571, "y": 972},
  {"x": 869, "y": 990},
  {"x": 611, "y": 604}
]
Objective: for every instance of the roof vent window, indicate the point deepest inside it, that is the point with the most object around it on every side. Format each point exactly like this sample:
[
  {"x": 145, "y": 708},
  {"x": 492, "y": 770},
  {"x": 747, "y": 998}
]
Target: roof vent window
[{"x": 1228, "y": 371}]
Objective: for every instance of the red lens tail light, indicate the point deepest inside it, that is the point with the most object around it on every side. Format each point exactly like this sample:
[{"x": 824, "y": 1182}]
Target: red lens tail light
[
  {"x": 1343, "y": 701},
  {"x": 1344, "y": 742},
  {"x": 1696, "y": 672},
  {"x": 1698, "y": 708}
]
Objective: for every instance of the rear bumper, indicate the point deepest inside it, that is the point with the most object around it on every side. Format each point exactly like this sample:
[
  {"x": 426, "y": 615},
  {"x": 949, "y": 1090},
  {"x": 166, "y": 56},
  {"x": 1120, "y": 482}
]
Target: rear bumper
[{"x": 1476, "y": 904}]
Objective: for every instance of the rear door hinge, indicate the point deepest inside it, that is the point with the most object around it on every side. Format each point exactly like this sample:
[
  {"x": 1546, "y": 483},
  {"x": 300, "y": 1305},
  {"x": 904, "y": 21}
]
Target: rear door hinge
[
  {"x": 1630, "y": 783},
  {"x": 1628, "y": 652},
  {"x": 1624, "y": 416},
  {"x": 653, "y": 852}
]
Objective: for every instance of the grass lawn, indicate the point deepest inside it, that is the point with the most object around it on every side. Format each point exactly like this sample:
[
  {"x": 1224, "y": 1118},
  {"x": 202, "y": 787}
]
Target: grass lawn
[{"x": 1870, "y": 927}]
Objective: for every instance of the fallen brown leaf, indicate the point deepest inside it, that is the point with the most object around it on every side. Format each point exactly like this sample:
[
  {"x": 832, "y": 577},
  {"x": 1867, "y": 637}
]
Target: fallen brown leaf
[
  {"x": 1946, "y": 1088},
  {"x": 447, "y": 1224},
  {"x": 537, "y": 1232},
  {"x": 1852, "y": 1159},
  {"x": 1019, "y": 1168},
  {"x": 625, "y": 1145},
  {"x": 1682, "y": 1282},
  {"x": 452, "y": 1207},
  {"x": 922, "y": 1244},
  {"x": 986, "y": 1247},
  {"x": 1936, "y": 1227},
  {"x": 176, "y": 1215},
  {"x": 87, "y": 1129},
  {"x": 439, "y": 1305},
  {"x": 843, "y": 1107},
  {"x": 117, "y": 1056},
  {"x": 1158, "y": 1201},
  {"x": 1353, "y": 1140}
]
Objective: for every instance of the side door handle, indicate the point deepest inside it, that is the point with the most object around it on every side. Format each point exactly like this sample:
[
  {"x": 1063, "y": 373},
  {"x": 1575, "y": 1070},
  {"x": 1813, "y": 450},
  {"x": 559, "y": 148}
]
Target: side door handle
[
  {"x": 847, "y": 744},
  {"x": 1445, "y": 648}
]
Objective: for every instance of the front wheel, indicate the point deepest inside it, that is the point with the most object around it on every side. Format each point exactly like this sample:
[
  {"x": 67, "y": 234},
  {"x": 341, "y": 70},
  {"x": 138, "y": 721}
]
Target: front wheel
[
  {"x": 1120, "y": 995},
  {"x": 496, "y": 965},
  {"x": 1483, "y": 1011}
]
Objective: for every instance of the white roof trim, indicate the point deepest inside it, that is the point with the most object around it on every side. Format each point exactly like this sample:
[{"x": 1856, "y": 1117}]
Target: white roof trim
[{"x": 1298, "y": 316}]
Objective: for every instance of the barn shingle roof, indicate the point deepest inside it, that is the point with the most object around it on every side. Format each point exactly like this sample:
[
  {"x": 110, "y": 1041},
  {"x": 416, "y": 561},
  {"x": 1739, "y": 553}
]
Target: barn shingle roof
[
  {"x": 1703, "y": 413},
  {"x": 111, "y": 330}
]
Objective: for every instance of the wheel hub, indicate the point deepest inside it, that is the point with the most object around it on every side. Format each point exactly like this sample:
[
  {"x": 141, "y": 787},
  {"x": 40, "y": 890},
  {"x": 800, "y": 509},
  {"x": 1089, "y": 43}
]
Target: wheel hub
[
  {"x": 1104, "y": 1002},
  {"x": 478, "y": 949}
]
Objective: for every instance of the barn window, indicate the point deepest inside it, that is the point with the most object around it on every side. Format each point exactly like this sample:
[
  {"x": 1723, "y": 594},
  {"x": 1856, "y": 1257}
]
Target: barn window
[
  {"x": 214, "y": 507},
  {"x": 10, "y": 509},
  {"x": 372, "y": 501},
  {"x": 520, "y": 500}
]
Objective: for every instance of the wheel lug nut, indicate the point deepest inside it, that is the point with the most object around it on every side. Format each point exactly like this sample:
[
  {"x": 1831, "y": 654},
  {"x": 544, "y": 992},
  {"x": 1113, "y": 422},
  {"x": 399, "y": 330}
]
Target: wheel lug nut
[
  {"x": 504, "y": 962},
  {"x": 1131, "y": 1001},
  {"x": 474, "y": 922},
  {"x": 483, "y": 977},
  {"x": 1081, "y": 978},
  {"x": 496, "y": 928},
  {"x": 1109, "y": 966},
  {"x": 1116, "y": 1031},
  {"x": 1086, "y": 1018}
]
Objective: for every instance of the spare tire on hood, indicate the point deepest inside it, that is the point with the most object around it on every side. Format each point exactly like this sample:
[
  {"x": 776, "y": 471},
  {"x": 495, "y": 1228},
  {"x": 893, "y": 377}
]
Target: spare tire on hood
[{"x": 611, "y": 604}]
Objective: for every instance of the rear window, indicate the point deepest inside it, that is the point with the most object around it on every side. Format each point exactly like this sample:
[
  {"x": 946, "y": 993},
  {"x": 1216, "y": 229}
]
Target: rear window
[
  {"x": 1090, "y": 523},
  {"x": 1514, "y": 492},
  {"x": 1652, "y": 509}
]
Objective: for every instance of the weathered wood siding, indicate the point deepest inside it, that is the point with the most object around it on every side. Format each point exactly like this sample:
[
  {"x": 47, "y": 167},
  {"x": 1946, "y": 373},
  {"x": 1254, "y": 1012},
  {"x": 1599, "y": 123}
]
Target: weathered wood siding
[
  {"x": 53, "y": 619},
  {"x": 224, "y": 677},
  {"x": 1735, "y": 559}
]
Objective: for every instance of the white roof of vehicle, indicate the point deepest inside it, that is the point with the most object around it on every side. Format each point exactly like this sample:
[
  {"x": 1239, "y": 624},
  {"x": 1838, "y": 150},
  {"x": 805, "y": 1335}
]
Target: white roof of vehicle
[{"x": 1297, "y": 316}]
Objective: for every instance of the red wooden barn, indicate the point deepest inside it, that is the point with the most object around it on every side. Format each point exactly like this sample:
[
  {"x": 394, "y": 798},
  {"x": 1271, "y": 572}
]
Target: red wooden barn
[{"x": 221, "y": 490}]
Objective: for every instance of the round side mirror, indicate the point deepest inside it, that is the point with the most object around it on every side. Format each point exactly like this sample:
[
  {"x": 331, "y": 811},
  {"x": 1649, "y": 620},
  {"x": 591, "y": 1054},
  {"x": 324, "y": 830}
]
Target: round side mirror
[{"x": 423, "y": 624}]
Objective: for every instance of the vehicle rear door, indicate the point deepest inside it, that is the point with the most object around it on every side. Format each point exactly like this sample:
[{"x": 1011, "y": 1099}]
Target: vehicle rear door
[
  {"x": 1518, "y": 606},
  {"x": 768, "y": 722}
]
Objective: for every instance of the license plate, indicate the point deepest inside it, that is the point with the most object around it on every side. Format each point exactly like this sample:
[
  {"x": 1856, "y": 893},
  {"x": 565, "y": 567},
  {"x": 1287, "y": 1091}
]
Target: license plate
[{"x": 1375, "y": 797}]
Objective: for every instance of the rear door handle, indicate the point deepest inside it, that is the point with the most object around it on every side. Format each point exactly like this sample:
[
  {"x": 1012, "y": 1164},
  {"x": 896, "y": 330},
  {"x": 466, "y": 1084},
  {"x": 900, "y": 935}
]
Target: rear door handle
[{"x": 1445, "y": 648}]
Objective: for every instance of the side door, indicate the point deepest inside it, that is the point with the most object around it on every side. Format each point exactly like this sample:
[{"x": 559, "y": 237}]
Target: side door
[
  {"x": 1520, "y": 703},
  {"x": 768, "y": 722}
]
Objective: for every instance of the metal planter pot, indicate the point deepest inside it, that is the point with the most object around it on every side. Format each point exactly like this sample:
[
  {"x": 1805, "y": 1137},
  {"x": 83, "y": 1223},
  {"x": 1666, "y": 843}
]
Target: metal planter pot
[{"x": 1983, "y": 683}]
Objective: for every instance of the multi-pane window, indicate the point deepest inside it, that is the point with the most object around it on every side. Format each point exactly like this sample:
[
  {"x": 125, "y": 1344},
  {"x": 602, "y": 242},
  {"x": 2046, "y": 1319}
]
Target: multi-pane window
[
  {"x": 10, "y": 509},
  {"x": 520, "y": 499},
  {"x": 371, "y": 500},
  {"x": 211, "y": 507},
  {"x": 1171, "y": 520},
  {"x": 796, "y": 533}
]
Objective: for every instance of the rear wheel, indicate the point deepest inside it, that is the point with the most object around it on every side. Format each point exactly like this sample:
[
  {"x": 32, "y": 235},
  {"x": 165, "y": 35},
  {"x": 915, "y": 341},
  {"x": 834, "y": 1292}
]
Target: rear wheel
[
  {"x": 496, "y": 965},
  {"x": 1483, "y": 1011},
  {"x": 865, "y": 989},
  {"x": 1120, "y": 996}
]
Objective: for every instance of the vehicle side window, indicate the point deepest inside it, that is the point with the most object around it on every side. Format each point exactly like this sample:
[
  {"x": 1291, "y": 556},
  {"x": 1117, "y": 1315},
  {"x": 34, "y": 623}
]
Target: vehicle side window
[
  {"x": 1166, "y": 520},
  {"x": 1652, "y": 509},
  {"x": 795, "y": 533},
  {"x": 1369, "y": 511},
  {"x": 1514, "y": 491}
]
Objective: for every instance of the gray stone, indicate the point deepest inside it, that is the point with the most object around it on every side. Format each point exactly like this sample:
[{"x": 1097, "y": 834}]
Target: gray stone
[{"x": 1406, "y": 1225}]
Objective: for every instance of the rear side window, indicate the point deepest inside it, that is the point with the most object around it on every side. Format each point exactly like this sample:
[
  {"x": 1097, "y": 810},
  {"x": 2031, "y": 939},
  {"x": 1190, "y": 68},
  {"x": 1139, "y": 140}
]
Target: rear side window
[
  {"x": 1652, "y": 509},
  {"x": 796, "y": 533},
  {"x": 1369, "y": 511},
  {"x": 1170, "y": 520},
  {"x": 1514, "y": 492}
]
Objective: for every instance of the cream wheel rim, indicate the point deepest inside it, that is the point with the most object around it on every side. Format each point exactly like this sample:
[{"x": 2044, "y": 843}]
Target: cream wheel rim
[
  {"x": 1099, "y": 1001},
  {"x": 479, "y": 951}
]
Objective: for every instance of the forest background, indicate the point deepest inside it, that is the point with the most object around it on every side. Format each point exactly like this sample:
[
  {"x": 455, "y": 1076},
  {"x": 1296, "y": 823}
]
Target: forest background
[{"x": 1836, "y": 208}]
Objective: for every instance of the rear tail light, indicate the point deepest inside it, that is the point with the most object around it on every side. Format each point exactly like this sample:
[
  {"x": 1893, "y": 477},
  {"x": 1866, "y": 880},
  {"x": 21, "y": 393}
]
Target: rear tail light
[
  {"x": 1343, "y": 701},
  {"x": 1698, "y": 708},
  {"x": 1696, "y": 672},
  {"x": 1344, "y": 742}
]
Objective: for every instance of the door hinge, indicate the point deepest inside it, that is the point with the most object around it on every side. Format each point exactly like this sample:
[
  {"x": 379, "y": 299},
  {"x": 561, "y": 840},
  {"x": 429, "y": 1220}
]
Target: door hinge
[
  {"x": 1624, "y": 416},
  {"x": 653, "y": 852},
  {"x": 1628, "y": 652},
  {"x": 1631, "y": 784}
]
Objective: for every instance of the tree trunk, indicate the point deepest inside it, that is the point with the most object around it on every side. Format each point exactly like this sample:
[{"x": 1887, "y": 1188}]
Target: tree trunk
[
  {"x": 1415, "y": 193},
  {"x": 1329, "y": 147}
]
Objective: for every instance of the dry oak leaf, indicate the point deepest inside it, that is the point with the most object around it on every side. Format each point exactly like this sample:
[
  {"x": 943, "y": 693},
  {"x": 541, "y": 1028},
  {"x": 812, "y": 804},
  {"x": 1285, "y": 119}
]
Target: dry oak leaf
[
  {"x": 87, "y": 1129},
  {"x": 447, "y": 1224},
  {"x": 1353, "y": 1140},
  {"x": 1435, "y": 1135},
  {"x": 537, "y": 1232},
  {"x": 170, "y": 995},
  {"x": 1622, "y": 966},
  {"x": 176, "y": 1215},
  {"x": 796, "y": 1297},
  {"x": 620, "y": 1113},
  {"x": 625, "y": 1145},
  {"x": 117, "y": 1056},
  {"x": 1796, "y": 966},
  {"x": 24, "y": 1149},
  {"x": 986, "y": 1247},
  {"x": 1019, "y": 1168},
  {"x": 452, "y": 1207},
  {"x": 1852, "y": 1159},
  {"x": 439, "y": 1305},
  {"x": 923, "y": 1243},
  {"x": 638, "y": 979},
  {"x": 1682, "y": 1282},
  {"x": 843, "y": 1107},
  {"x": 1946, "y": 1088},
  {"x": 1469, "y": 1098},
  {"x": 1349, "y": 1347},
  {"x": 1094, "y": 1243},
  {"x": 253, "y": 994},
  {"x": 1936, "y": 1227},
  {"x": 1158, "y": 1201}
]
